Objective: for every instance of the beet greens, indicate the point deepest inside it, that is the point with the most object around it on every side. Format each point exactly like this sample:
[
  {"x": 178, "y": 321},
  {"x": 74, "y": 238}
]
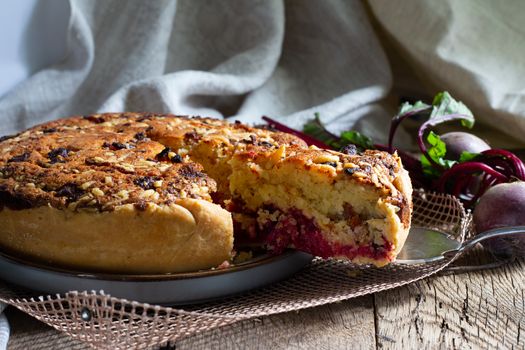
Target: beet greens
[{"x": 473, "y": 173}]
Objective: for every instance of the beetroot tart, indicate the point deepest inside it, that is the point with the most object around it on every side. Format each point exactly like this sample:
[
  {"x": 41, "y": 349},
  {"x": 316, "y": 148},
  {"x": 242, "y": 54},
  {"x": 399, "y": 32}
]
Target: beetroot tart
[{"x": 148, "y": 193}]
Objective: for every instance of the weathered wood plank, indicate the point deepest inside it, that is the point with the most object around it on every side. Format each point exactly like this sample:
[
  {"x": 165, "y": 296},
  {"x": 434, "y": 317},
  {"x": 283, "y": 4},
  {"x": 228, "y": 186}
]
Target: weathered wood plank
[
  {"x": 474, "y": 310},
  {"x": 345, "y": 325}
]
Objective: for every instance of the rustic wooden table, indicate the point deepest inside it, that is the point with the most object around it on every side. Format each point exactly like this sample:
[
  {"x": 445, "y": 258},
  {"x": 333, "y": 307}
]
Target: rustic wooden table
[{"x": 484, "y": 309}]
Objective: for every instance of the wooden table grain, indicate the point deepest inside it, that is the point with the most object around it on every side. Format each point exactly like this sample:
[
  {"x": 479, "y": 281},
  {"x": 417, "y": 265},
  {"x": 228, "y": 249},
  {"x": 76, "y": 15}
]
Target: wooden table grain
[{"x": 475, "y": 310}]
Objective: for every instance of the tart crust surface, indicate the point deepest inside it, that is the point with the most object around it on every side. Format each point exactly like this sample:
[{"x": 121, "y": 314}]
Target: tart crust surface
[{"x": 142, "y": 193}]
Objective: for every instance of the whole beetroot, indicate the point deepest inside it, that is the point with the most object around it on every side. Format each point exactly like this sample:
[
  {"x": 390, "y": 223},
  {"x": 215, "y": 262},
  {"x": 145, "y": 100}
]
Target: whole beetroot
[
  {"x": 502, "y": 205},
  {"x": 458, "y": 142}
]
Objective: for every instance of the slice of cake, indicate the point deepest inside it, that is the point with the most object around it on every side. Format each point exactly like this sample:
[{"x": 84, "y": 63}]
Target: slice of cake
[
  {"x": 329, "y": 204},
  {"x": 145, "y": 193}
]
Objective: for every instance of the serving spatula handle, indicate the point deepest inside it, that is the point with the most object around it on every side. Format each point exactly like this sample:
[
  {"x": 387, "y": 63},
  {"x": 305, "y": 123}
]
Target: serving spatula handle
[{"x": 497, "y": 232}]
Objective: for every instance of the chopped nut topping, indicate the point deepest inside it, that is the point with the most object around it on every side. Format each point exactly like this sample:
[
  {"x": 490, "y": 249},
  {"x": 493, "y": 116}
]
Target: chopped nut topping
[
  {"x": 164, "y": 167},
  {"x": 157, "y": 183},
  {"x": 86, "y": 185},
  {"x": 147, "y": 193},
  {"x": 123, "y": 194},
  {"x": 97, "y": 161},
  {"x": 359, "y": 174},
  {"x": 97, "y": 192},
  {"x": 374, "y": 179},
  {"x": 126, "y": 167},
  {"x": 326, "y": 158},
  {"x": 144, "y": 164}
]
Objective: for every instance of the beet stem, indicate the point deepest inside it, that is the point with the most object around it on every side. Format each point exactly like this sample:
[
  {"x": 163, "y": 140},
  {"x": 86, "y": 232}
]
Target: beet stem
[
  {"x": 467, "y": 168},
  {"x": 397, "y": 120},
  {"x": 517, "y": 164}
]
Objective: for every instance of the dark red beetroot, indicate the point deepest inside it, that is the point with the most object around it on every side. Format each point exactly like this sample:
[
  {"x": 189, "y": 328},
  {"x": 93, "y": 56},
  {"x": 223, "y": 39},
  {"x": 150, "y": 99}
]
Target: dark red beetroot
[
  {"x": 296, "y": 230},
  {"x": 502, "y": 205},
  {"x": 458, "y": 142}
]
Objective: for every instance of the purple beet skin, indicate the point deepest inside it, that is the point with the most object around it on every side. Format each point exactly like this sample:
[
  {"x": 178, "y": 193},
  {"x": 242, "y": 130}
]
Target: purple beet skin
[
  {"x": 458, "y": 142},
  {"x": 502, "y": 205}
]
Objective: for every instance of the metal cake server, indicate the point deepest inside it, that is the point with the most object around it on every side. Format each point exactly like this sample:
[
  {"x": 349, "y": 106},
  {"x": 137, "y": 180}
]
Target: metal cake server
[{"x": 426, "y": 245}]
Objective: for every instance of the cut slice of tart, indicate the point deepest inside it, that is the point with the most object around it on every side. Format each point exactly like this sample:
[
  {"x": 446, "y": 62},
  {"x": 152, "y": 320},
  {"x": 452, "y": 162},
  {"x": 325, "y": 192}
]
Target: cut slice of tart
[{"x": 330, "y": 204}]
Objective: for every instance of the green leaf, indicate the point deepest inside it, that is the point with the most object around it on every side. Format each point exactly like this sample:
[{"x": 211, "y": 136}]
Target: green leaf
[
  {"x": 316, "y": 129},
  {"x": 467, "y": 156},
  {"x": 438, "y": 149},
  {"x": 437, "y": 153},
  {"x": 407, "y": 107},
  {"x": 428, "y": 169},
  {"x": 358, "y": 139},
  {"x": 444, "y": 104}
]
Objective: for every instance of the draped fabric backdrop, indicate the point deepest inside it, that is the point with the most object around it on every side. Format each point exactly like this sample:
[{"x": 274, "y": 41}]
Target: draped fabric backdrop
[{"x": 348, "y": 60}]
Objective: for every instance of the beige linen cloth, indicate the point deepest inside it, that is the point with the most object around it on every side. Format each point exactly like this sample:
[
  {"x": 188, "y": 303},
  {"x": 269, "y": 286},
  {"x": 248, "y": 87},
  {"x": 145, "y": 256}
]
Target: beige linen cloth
[
  {"x": 347, "y": 60},
  {"x": 287, "y": 60}
]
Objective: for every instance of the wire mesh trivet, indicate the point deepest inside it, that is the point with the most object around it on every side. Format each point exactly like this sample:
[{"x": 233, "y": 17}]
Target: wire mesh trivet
[{"x": 103, "y": 321}]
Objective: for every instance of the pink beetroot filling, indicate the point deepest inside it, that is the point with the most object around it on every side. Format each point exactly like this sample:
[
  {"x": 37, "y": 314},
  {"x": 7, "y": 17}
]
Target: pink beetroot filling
[{"x": 298, "y": 231}]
